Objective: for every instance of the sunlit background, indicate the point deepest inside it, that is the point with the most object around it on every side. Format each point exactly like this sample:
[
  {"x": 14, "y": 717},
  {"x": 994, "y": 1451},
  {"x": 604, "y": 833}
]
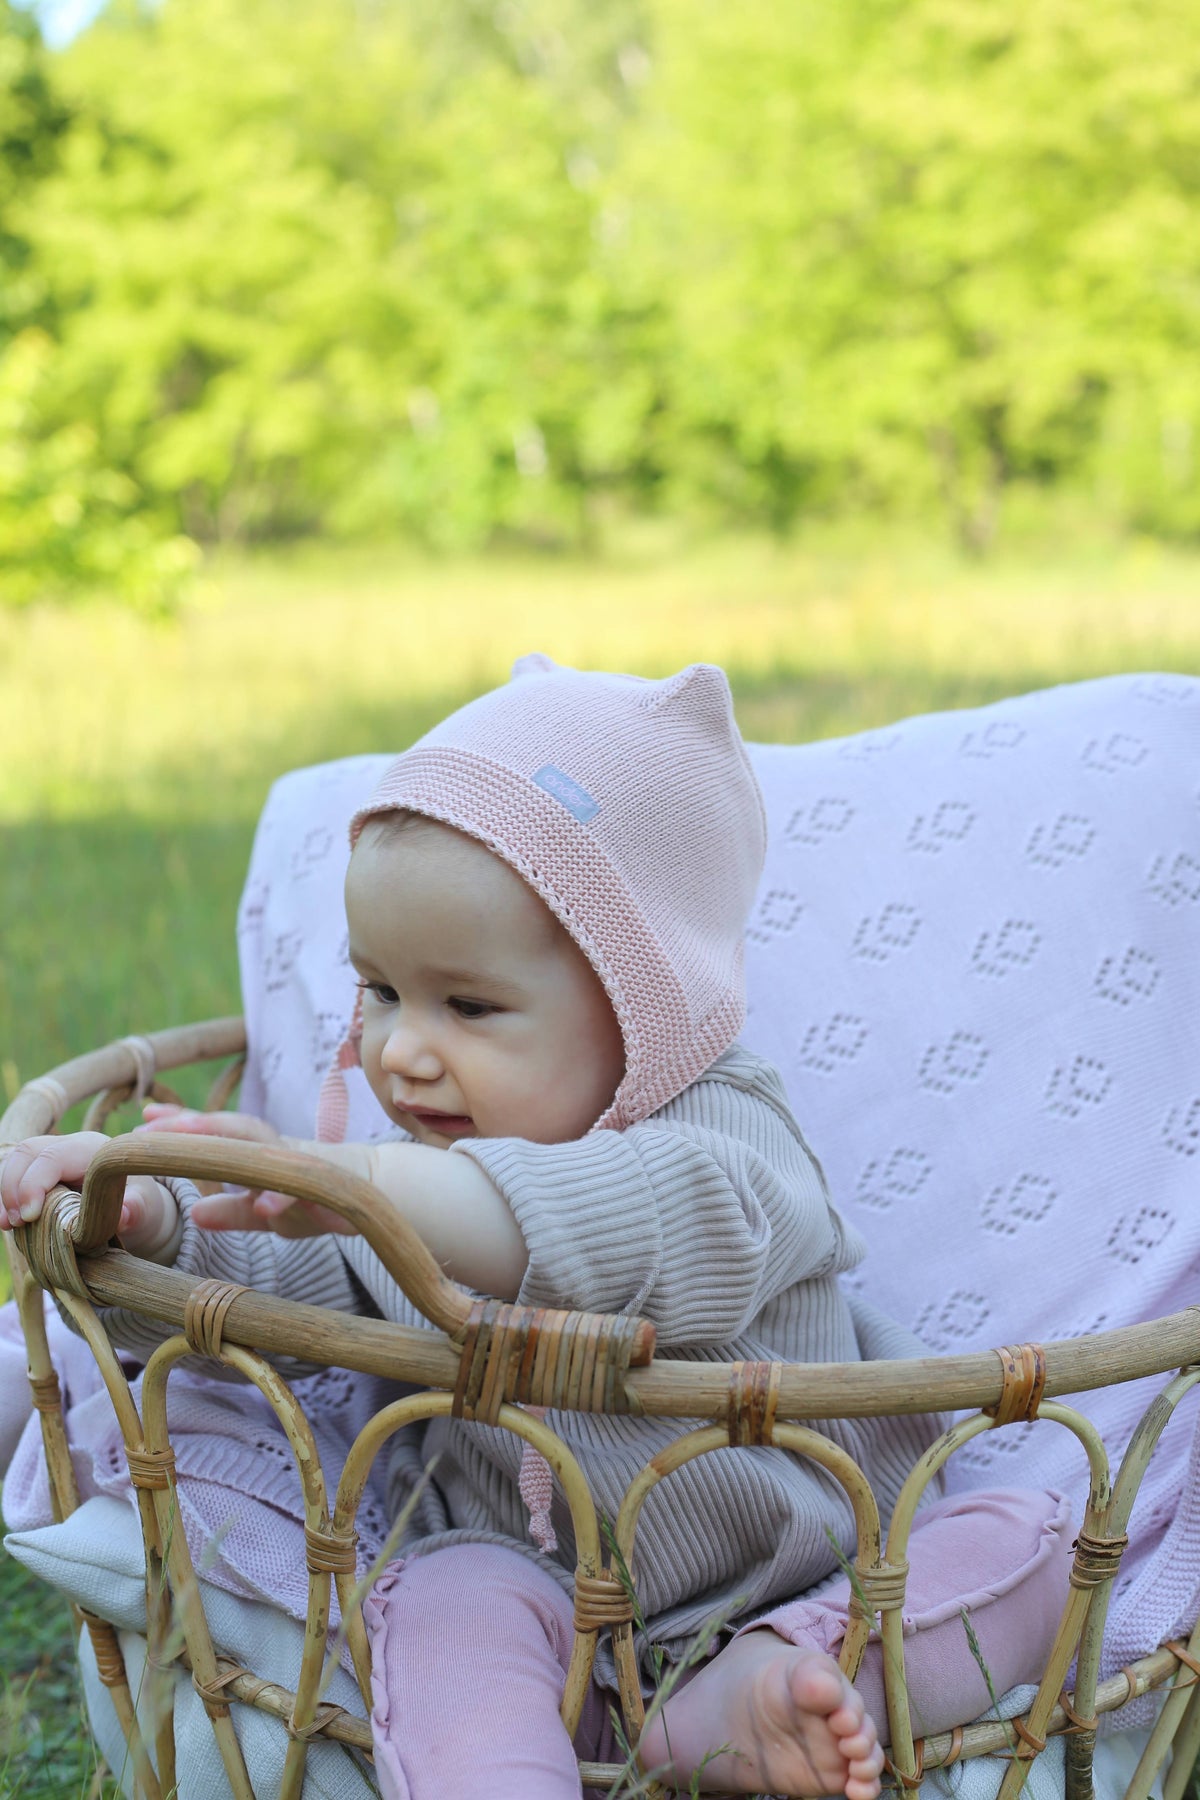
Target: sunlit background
[{"x": 349, "y": 348}]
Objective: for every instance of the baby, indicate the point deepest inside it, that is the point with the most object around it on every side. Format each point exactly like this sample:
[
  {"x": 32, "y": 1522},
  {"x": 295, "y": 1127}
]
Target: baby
[{"x": 546, "y": 899}]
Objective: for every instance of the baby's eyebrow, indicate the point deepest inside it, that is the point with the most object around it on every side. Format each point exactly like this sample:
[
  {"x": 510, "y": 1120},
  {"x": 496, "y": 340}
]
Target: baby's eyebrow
[
  {"x": 362, "y": 963},
  {"x": 455, "y": 977},
  {"x": 476, "y": 978}
]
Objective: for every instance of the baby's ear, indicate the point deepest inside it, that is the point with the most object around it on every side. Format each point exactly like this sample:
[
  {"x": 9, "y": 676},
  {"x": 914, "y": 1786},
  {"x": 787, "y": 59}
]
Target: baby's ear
[{"x": 533, "y": 664}]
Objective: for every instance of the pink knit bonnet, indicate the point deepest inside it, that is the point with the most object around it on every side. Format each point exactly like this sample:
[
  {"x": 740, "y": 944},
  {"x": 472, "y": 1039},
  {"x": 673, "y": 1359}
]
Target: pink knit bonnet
[{"x": 630, "y": 807}]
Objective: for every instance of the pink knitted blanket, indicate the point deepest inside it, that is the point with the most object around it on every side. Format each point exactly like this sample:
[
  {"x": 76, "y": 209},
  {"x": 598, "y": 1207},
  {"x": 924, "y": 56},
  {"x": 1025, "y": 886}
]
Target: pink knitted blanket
[{"x": 973, "y": 959}]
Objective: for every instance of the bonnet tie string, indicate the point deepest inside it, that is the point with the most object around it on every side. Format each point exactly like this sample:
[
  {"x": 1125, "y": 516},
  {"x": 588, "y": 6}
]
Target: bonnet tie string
[
  {"x": 536, "y": 1485},
  {"x": 333, "y": 1101}
]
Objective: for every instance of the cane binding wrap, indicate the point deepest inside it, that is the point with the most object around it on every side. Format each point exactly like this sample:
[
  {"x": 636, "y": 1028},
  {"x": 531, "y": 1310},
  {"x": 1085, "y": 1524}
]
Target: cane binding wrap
[
  {"x": 536, "y": 1356},
  {"x": 1023, "y": 1369},
  {"x": 753, "y": 1401},
  {"x": 204, "y": 1315}
]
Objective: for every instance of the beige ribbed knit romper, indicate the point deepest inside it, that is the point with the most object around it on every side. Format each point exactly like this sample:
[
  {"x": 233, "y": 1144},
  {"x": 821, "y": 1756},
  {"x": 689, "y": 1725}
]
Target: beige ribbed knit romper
[{"x": 710, "y": 1217}]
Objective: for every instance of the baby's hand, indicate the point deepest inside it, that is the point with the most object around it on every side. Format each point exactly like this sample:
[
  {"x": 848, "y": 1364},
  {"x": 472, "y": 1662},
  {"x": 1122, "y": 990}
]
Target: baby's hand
[
  {"x": 241, "y": 1209},
  {"x": 149, "y": 1215},
  {"x": 31, "y": 1169},
  {"x": 158, "y": 1116}
]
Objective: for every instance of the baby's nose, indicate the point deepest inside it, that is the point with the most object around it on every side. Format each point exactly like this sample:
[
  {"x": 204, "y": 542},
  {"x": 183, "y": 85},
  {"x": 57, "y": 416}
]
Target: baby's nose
[{"x": 410, "y": 1052}]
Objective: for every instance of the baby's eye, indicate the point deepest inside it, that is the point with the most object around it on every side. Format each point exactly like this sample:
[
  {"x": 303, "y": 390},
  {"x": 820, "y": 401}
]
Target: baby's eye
[
  {"x": 471, "y": 1009},
  {"x": 379, "y": 990}
]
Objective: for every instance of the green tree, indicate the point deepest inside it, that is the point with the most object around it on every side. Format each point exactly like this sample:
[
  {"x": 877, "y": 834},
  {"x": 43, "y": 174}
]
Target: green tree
[
  {"x": 32, "y": 122},
  {"x": 919, "y": 249},
  {"x": 457, "y": 268},
  {"x": 316, "y": 275},
  {"x": 70, "y": 524}
]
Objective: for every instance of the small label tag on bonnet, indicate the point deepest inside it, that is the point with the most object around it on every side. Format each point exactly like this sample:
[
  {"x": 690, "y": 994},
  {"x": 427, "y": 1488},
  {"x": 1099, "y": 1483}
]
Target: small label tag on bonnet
[{"x": 576, "y": 799}]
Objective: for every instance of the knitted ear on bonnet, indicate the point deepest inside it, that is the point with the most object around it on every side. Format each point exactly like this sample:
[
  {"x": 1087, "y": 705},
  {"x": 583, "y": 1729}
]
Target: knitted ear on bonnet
[{"x": 630, "y": 807}]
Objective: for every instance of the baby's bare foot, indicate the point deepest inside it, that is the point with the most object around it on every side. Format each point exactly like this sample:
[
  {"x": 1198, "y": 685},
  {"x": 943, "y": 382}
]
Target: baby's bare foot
[{"x": 790, "y": 1720}]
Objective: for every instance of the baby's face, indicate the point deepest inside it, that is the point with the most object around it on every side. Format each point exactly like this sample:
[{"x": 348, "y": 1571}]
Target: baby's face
[{"x": 481, "y": 1017}]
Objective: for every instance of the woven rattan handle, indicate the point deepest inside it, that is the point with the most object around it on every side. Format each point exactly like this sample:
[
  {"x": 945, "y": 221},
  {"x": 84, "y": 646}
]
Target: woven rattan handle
[{"x": 403, "y": 1254}]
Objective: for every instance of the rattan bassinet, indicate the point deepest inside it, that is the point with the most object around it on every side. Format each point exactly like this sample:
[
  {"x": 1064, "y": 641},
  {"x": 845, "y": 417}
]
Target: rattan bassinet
[
  {"x": 487, "y": 1362},
  {"x": 1078, "y": 810}
]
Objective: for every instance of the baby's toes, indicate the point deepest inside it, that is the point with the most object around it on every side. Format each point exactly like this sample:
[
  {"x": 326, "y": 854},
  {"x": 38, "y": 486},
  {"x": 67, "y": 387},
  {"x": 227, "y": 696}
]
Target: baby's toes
[
  {"x": 817, "y": 1686},
  {"x": 856, "y": 1737},
  {"x": 867, "y": 1761},
  {"x": 864, "y": 1770},
  {"x": 862, "y": 1755}
]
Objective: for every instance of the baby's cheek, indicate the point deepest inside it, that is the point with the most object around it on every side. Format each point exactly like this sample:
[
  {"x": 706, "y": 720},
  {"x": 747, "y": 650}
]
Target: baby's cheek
[
  {"x": 502, "y": 1098},
  {"x": 373, "y": 1070},
  {"x": 370, "y": 1052}
]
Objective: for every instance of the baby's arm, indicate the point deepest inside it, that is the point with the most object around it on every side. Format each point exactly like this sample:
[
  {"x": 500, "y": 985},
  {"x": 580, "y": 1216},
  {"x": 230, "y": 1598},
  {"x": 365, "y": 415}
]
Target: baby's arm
[
  {"x": 150, "y": 1225},
  {"x": 448, "y": 1200},
  {"x": 312, "y": 1271},
  {"x": 450, "y": 1203},
  {"x": 697, "y": 1218}
]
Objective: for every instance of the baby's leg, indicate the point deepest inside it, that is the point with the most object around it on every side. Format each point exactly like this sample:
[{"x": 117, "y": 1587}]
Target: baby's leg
[
  {"x": 1002, "y": 1556},
  {"x": 470, "y": 1647}
]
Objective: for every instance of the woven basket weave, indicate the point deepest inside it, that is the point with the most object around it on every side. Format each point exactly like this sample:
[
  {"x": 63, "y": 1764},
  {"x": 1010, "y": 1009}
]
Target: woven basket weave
[{"x": 488, "y": 1360}]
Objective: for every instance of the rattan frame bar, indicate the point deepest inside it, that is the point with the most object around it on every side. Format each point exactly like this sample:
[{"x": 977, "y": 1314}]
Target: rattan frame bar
[{"x": 490, "y": 1360}]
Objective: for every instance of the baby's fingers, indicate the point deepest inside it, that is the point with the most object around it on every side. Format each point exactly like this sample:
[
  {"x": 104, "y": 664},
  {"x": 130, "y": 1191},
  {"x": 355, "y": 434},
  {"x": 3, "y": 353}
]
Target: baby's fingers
[
  {"x": 297, "y": 1218},
  {"x": 158, "y": 1112},
  {"x": 39, "y": 1164},
  {"x": 159, "y": 1116},
  {"x": 230, "y": 1210},
  {"x": 14, "y": 1193},
  {"x": 239, "y": 1209}
]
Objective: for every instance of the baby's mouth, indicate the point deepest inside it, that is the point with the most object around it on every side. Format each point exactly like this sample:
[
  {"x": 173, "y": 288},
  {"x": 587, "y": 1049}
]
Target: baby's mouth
[{"x": 448, "y": 1125}]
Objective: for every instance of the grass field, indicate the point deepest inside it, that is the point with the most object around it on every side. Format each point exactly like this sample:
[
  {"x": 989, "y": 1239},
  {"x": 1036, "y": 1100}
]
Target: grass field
[{"x": 135, "y": 758}]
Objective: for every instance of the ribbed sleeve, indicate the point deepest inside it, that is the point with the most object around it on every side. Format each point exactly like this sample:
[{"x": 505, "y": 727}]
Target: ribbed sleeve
[{"x": 640, "y": 1219}]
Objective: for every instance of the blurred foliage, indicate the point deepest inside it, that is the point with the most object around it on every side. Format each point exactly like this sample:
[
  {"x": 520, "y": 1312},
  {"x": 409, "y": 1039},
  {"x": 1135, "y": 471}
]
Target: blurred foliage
[
  {"x": 70, "y": 523},
  {"x": 927, "y": 248},
  {"x": 32, "y": 120},
  {"x": 459, "y": 270}
]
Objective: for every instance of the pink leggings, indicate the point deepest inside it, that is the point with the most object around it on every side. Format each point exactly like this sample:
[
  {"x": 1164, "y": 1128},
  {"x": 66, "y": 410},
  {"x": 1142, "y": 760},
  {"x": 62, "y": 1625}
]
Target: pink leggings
[{"x": 471, "y": 1645}]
